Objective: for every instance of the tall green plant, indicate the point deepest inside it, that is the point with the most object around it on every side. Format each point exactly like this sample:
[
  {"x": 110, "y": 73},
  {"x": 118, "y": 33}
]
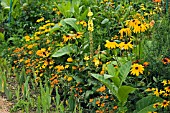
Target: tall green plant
[{"x": 113, "y": 81}]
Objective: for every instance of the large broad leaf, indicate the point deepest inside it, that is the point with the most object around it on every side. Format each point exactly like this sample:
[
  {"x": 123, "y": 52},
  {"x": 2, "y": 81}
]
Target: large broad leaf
[
  {"x": 114, "y": 79},
  {"x": 124, "y": 70},
  {"x": 113, "y": 88},
  {"x": 123, "y": 92},
  {"x": 146, "y": 104},
  {"x": 111, "y": 70},
  {"x": 65, "y": 50},
  {"x": 72, "y": 23}
]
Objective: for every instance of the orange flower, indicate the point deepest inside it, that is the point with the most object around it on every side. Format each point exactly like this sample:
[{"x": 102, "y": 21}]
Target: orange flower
[
  {"x": 157, "y": 1},
  {"x": 98, "y": 103},
  {"x": 166, "y": 60},
  {"x": 91, "y": 100},
  {"x": 101, "y": 89},
  {"x": 145, "y": 64}
]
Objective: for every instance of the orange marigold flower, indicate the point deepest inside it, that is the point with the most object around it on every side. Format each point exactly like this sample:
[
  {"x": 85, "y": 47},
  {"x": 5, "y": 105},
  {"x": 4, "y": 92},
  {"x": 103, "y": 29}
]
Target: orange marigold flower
[{"x": 101, "y": 89}]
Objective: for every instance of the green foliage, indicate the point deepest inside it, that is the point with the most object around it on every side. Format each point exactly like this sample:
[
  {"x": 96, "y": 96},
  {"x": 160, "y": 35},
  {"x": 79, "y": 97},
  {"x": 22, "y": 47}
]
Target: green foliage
[
  {"x": 115, "y": 86},
  {"x": 146, "y": 104},
  {"x": 68, "y": 49}
]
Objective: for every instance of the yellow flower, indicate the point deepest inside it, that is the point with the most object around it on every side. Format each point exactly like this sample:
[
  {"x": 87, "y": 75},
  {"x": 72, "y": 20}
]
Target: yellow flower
[
  {"x": 39, "y": 20},
  {"x": 127, "y": 31},
  {"x": 90, "y": 25},
  {"x": 165, "y": 103},
  {"x": 111, "y": 45},
  {"x": 96, "y": 61},
  {"x": 127, "y": 46},
  {"x": 136, "y": 69},
  {"x": 69, "y": 79},
  {"x": 164, "y": 82},
  {"x": 30, "y": 46},
  {"x": 70, "y": 60},
  {"x": 27, "y": 38},
  {"x": 86, "y": 58},
  {"x": 59, "y": 68},
  {"x": 167, "y": 89},
  {"x": 156, "y": 92},
  {"x": 42, "y": 52},
  {"x": 90, "y": 13},
  {"x": 148, "y": 89},
  {"x": 156, "y": 105}
]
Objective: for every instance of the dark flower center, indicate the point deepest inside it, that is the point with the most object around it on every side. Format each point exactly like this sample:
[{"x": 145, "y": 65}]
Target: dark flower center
[{"x": 136, "y": 68}]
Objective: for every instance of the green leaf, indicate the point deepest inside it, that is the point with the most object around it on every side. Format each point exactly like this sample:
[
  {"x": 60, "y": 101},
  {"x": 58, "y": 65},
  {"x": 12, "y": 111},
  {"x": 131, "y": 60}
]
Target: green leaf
[
  {"x": 57, "y": 97},
  {"x": 55, "y": 28},
  {"x": 115, "y": 79},
  {"x": 123, "y": 92},
  {"x": 72, "y": 23},
  {"x": 71, "y": 102},
  {"x": 105, "y": 21},
  {"x": 146, "y": 104},
  {"x": 65, "y": 50},
  {"x": 1, "y": 37},
  {"x": 111, "y": 70},
  {"x": 88, "y": 92},
  {"x": 124, "y": 70},
  {"x": 113, "y": 88},
  {"x": 106, "y": 76}
]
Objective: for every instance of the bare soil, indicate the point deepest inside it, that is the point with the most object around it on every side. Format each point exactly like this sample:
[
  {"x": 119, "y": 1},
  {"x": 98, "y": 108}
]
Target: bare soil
[{"x": 4, "y": 105}]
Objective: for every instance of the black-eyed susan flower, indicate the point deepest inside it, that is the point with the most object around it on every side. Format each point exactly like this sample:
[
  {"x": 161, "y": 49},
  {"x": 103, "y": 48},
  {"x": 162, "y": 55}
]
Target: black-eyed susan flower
[
  {"x": 156, "y": 105},
  {"x": 156, "y": 92},
  {"x": 164, "y": 82},
  {"x": 127, "y": 46},
  {"x": 126, "y": 31},
  {"x": 111, "y": 45},
  {"x": 137, "y": 69},
  {"x": 167, "y": 89},
  {"x": 165, "y": 60},
  {"x": 165, "y": 103}
]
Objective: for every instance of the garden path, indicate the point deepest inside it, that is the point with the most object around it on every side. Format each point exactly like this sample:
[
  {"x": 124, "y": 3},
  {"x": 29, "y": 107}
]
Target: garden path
[{"x": 4, "y": 105}]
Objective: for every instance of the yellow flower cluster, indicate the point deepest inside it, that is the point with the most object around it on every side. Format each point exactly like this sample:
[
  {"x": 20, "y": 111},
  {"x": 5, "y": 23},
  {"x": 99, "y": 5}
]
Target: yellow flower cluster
[
  {"x": 165, "y": 92},
  {"x": 137, "y": 26},
  {"x": 72, "y": 36},
  {"x": 122, "y": 45},
  {"x": 82, "y": 23},
  {"x": 40, "y": 20}
]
